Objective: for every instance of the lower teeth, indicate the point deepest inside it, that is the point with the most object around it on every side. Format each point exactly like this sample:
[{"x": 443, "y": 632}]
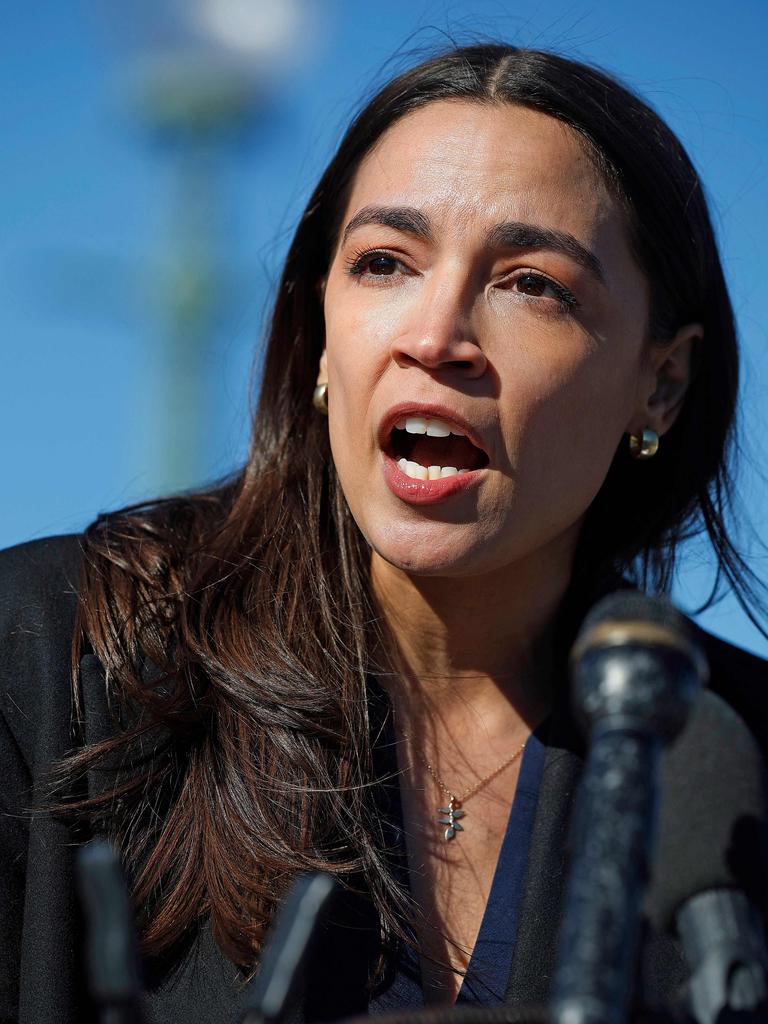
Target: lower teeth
[{"x": 418, "y": 472}]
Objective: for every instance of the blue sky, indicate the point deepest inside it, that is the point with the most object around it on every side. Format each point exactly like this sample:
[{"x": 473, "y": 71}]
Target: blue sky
[{"x": 86, "y": 209}]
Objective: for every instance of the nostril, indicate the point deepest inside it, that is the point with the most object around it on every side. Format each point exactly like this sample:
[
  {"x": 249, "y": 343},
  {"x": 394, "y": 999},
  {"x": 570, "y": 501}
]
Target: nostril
[
  {"x": 461, "y": 355},
  {"x": 406, "y": 359}
]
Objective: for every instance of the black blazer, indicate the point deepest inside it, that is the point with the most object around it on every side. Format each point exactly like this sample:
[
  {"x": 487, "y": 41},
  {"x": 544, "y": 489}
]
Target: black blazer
[{"x": 41, "y": 971}]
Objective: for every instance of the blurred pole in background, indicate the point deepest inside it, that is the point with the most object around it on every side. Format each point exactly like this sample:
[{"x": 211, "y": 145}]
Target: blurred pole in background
[
  {"x": 202, "y": 73},
  {"x": 196, "y": 112}
]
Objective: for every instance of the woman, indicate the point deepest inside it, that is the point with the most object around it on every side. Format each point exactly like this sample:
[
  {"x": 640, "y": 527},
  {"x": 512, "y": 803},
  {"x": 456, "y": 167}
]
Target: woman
[{"x": 504, "y": 296}]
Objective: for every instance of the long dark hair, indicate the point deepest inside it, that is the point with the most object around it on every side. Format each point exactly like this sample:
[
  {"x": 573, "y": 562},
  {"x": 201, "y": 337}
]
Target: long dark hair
[{"x": 236, "y": 625}]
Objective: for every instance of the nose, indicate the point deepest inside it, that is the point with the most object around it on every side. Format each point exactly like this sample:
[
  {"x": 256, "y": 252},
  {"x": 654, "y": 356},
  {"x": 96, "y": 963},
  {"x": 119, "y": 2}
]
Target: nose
[{"x": 439, "y": 336}]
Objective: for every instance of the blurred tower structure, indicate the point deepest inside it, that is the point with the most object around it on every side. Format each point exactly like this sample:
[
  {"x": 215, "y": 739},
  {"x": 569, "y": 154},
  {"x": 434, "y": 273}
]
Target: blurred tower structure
[{"x": 202, "y": 72}]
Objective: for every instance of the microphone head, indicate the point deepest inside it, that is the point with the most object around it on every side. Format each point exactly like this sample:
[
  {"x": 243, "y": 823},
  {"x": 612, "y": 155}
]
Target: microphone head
[
  {"x": 632, "y": 617},
  {"x": 712, "y": 813},
  {"x": 272, "y": 990},
  {"x": 636, "y": 664},
  {"x": 112, "y": 956}
]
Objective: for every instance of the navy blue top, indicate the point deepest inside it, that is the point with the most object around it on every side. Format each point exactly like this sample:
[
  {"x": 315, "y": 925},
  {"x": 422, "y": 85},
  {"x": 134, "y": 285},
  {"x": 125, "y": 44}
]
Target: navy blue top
[{"x": 487, "y": 975}]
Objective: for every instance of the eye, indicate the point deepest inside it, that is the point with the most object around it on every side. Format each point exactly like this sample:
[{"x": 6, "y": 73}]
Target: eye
[
  {"x": 537, "y": 286},
  {"x": 532, "y": 284},
  {"x": 373, "y": 263},
  {"x": 381, "y": 265}
]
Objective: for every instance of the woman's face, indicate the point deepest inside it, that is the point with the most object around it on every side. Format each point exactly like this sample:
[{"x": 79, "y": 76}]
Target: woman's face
[{"x": 483, "y": 290}]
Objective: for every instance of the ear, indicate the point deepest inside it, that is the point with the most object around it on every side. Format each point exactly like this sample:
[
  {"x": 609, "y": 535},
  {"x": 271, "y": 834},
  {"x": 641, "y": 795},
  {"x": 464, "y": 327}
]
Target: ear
[
  {"x": 664, "y": 382},
  {"x": 322, "y": 372}
]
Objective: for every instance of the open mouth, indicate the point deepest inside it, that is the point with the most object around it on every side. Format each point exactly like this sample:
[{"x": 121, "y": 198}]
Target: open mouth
[{"x": 428, "y": 448}]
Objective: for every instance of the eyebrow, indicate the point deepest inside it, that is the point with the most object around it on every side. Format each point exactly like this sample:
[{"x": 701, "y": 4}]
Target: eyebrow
[
  {"x": 507, "y": 235},
  {"x": 401, "y": 218},
  {"x": 517, "y": 235}
]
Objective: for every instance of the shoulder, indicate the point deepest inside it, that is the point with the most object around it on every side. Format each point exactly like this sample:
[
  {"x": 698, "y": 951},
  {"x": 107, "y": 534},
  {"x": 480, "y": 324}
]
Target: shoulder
[
  {"x": 740, "y": 678},
  {"x": 39, "y": 570},
  {"x": 38, "y": 605},
  {"x": 38, "y": 589}
]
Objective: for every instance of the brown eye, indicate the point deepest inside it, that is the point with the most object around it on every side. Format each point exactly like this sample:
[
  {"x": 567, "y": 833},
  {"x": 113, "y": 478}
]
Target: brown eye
[
  {"x": 536, "y": 286},
  {"x": 381, "y": 266},
  {"x": 532, "y": 284},
  {"x": 373, "y": 264}
]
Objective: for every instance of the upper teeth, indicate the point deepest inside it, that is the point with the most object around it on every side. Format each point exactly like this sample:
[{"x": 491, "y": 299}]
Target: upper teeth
[{"x": 422, "y": 425}]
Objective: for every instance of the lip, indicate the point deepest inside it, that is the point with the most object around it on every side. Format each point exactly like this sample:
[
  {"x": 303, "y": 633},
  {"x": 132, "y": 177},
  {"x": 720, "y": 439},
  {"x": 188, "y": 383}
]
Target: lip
[
  {"x": 429, "y": 410},
  {"x": 427, "y": 492}
]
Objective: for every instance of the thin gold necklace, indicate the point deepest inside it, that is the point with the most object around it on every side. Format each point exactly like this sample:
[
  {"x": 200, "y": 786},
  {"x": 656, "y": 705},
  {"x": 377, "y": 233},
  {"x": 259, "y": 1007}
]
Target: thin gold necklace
[{"x": 449, "y": 816}]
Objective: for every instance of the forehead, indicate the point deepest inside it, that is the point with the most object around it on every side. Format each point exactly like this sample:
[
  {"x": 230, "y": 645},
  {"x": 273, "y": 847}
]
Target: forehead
[{"x": 468, "y": 164}]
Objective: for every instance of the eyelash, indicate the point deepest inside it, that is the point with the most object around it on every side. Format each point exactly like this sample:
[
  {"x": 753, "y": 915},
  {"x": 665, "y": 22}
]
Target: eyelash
[
  {"x": 361, "y": 258},
  {"x": 358, "y": 262}
]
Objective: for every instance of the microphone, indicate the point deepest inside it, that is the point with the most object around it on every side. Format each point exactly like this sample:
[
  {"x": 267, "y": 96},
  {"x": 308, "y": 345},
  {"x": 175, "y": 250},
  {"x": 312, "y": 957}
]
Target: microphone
[
  {"x": 271, "y": 993},
  {"x": 709, "y": 865},
  {"x": 636, "y": 670},
  {"x": 111, "y": 954}
]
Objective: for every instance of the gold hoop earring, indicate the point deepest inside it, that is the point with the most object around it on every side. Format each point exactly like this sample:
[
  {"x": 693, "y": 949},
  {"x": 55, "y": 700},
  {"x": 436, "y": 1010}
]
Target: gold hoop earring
[
  {"x": 320, "y": 399},
  {"x": 644, "y": 447}
]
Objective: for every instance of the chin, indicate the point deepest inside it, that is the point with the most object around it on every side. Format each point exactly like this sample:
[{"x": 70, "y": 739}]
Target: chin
[{"x": 422, "y": 553}]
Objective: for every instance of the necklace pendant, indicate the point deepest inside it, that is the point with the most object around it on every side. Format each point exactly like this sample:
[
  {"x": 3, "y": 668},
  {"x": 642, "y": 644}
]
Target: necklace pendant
[{"x": 449, "y": 816}]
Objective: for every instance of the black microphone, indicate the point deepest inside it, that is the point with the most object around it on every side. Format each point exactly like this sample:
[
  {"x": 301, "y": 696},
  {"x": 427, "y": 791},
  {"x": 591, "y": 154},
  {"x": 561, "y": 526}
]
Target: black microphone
[
  {"x": 709, "y": 868},
  {"x": 271, "y": 993},
  {"x": 636, "y": 670},
  {"x": 112, "y": 958}
]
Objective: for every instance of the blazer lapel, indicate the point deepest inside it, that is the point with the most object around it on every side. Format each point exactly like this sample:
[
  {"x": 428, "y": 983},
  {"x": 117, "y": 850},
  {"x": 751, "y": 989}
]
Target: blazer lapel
[{"x": 544, "y": 885}]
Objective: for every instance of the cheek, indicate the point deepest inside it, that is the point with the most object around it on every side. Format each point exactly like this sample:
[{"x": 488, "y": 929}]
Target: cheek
[
  {"x": 346, "y": 364},
  {"x": 576, "y": 414},
  {"x": 355, "y": 363},
  {"x": 355, "y": 340}
]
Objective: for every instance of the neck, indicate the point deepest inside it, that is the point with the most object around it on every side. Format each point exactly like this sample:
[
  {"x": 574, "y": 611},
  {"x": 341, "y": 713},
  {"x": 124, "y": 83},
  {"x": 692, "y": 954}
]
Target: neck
[{"x": 480, "y": 642}]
